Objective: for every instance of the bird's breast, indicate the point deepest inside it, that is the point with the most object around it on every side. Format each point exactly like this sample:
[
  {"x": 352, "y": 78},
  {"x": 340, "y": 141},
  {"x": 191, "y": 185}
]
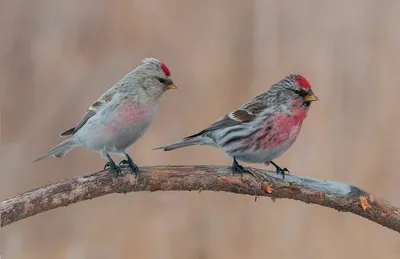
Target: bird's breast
[
  {"x": 130, "y": 119},
  {"x": 132, "y": 112},
  {"x": 280, "y": 132}
]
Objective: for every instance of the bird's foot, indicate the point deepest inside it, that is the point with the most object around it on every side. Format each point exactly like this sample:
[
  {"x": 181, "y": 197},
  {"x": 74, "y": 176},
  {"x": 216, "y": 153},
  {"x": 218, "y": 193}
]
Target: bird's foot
[
  {"x": 238, "y": 169},
  {"x": 114, "y": 168},
  {"x": 131, "y": 165},
  {"x": 280, "y": 170}
]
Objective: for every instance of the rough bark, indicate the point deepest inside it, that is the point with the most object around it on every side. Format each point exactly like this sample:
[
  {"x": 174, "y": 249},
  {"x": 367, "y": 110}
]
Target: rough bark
[{"x": 336, "y": 195}]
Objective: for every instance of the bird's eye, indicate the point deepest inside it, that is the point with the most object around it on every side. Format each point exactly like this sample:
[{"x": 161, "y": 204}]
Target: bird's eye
[
  {"x": 301, "y": 93},
  {"x": 161, "y": 80}
]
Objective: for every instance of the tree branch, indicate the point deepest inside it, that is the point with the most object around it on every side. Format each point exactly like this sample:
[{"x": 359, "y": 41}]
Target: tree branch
[{"x": 340, "y": 196}]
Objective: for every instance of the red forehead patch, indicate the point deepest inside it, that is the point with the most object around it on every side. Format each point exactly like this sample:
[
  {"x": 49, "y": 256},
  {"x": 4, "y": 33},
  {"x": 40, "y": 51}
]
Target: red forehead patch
[
  {"x": 302, "y": 82},
  {"x": 165, "y": 69}
]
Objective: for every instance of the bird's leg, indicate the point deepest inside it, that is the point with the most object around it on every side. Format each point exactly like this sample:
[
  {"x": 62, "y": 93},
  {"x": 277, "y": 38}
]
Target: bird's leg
[
  {"x": 128, "y": 161},
  {"x": 111, "y": 164},
  {"x": 236, "y": 168},
  {"x": 280, "y": 170}
]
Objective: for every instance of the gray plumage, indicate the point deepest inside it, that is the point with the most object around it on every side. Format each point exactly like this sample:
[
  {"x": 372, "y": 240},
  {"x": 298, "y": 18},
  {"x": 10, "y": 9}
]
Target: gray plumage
[{"x": 121, "y": 115}]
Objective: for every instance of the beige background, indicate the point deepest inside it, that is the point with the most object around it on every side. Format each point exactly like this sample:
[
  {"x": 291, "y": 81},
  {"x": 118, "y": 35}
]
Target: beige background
[{"x": 57, "y": 57}]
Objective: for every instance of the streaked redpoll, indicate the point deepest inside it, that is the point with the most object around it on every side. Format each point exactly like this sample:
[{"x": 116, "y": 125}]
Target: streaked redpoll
[
  {"x": 120, "y": 116},
  {"x": 262, "y": 129}
]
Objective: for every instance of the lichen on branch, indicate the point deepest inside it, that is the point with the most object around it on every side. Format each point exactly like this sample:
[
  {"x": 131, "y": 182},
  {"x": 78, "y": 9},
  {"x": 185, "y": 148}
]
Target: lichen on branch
[{"x": 336, "y": 195}]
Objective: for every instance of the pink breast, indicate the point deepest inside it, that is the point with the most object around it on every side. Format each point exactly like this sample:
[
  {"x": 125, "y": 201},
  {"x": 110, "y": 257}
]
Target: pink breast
[
  {"x": 128, "y": 115},
  {"x": 132, "y": 112},
  {"x": 284, "y": 128}
]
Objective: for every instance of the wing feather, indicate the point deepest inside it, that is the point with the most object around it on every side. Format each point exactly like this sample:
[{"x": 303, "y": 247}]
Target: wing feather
[
  {"x": 245, "y": 114},
  {"x": 89, "y": 114}
]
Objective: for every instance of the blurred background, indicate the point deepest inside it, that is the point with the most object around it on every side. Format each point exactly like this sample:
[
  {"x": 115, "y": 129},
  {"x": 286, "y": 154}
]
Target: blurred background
[{"x": 57, "y": 57}]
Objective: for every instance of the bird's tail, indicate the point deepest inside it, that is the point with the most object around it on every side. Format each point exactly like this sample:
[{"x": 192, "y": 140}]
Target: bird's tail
[
  {"x": 189, "y": 141},
  {"x": 59, "y": 150}
]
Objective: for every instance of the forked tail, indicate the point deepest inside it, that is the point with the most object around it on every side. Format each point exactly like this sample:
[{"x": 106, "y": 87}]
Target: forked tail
[{"x": 59, "y": 150}]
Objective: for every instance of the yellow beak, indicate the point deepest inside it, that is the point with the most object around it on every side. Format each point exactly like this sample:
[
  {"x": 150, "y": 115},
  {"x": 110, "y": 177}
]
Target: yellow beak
[
  {"x": 171, "y": 86},
  {"x": 311, "y": 98}
]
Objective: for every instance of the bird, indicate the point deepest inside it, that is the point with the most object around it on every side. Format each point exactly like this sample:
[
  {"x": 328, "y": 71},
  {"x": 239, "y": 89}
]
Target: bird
[
  {"x": 120, "y": 116},
  {"x": 262, "y": 129}
]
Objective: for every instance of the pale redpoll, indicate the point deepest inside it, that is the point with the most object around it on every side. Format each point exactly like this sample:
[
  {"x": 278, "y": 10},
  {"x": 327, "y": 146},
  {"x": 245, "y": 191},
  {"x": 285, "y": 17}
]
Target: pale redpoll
[
  {"x": 262, "y": 129},
  {"x": 120, "y": 116}
]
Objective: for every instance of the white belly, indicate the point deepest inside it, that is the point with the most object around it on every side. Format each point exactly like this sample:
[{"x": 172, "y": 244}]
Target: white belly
[
  {"x": 112, "y": 132},
  {"x": 263, "y": 156}
]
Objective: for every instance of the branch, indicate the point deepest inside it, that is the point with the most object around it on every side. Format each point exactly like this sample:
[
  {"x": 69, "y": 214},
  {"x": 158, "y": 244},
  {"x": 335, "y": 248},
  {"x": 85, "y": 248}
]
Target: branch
[{"x": 336, "y": 195}]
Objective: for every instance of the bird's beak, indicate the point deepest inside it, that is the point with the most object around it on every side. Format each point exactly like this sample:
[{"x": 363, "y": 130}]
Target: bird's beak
[
  {"x": 171, "y": 86},
  {"x": 311, "y": 98}
]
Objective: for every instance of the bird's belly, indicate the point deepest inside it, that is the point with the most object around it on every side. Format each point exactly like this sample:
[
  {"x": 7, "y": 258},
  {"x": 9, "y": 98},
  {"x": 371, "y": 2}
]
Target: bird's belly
[
  {"x": 117, "y": 130},
  {"x": 265, "y": 152},
  {"x": 262, "y": 156},
  {"x": 125, "y": 136}
]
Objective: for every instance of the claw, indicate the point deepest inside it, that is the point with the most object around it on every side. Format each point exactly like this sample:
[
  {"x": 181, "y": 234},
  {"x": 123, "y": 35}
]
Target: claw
[
  {"x": 238, "y": 169},
  {"x": 280, "y": 170},
  {"x": 128, "y": 161},
  {"x": 131, "y": 165},
  {"x": 123, "y": 162},
  {"x": 114, "y": 168}
]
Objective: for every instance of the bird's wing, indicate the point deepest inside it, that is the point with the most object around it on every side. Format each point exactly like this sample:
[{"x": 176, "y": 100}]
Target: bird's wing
[
  {"x": 245, "y": 114},
  {"x": 104, "y": 99}
]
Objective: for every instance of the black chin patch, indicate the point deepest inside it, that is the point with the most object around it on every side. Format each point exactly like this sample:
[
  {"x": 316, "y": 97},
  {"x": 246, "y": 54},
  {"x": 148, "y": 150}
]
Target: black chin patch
[{"x": 306, "y": 104}]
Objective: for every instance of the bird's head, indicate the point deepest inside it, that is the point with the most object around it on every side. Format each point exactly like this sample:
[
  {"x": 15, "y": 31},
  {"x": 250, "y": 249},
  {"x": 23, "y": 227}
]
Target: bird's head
[
  {"x": 294, "y": 93},
  {"x": 153, "y": 79}
]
